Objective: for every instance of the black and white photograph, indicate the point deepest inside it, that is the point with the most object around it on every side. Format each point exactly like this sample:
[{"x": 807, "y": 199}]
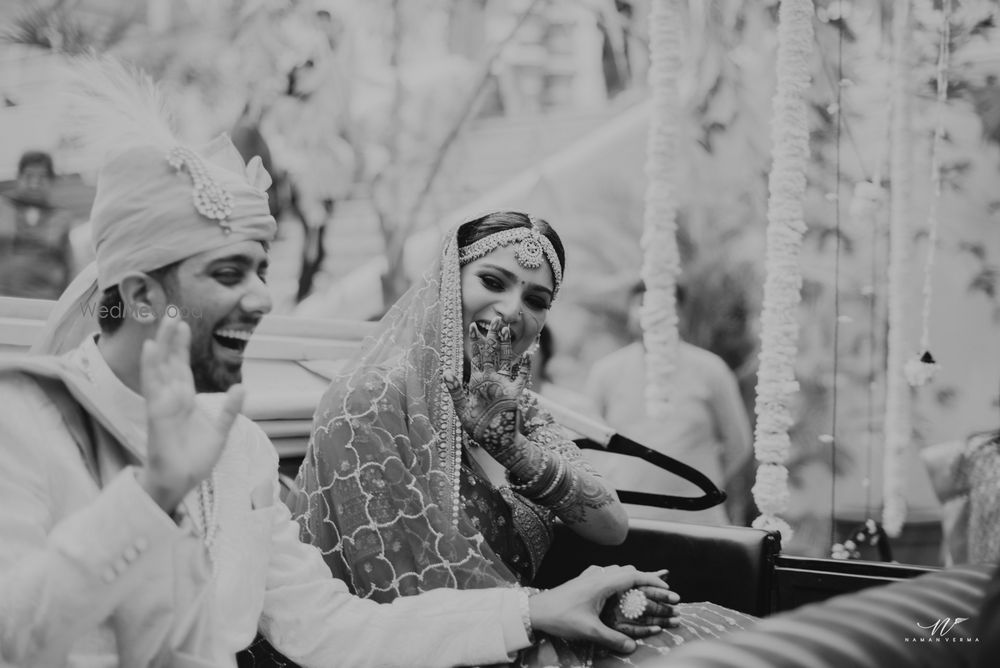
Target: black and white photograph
[{"x": 530, "y": 333}]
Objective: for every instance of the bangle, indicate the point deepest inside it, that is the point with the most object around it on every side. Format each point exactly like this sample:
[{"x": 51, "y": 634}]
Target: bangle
[
  {"x": 560, "y": 474},
  {"x": 567, "y": 500},
  {"x": 533, "y": 482}
]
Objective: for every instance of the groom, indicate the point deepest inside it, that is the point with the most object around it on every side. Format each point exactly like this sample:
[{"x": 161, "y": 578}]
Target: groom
[{"x": 139, "y": 521}]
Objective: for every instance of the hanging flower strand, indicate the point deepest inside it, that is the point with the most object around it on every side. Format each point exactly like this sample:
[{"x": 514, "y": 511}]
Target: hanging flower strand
[
  {"x": 786, "y": 226},
  {"x": 661, "y": 262},
  {"x": 869, "y": 196},
  {"x": 897, "y": 403},
  {"x": 921, "y": 368}
]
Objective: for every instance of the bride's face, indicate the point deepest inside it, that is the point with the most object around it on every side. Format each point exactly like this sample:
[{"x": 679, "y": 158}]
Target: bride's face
[{"x": 497, "y": 285}]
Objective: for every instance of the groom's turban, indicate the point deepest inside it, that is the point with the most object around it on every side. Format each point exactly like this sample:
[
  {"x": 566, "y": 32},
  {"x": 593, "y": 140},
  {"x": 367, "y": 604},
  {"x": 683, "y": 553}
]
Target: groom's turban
[
  {"x": 154, "y": 208},
  {"x": 158, "y": 201}
]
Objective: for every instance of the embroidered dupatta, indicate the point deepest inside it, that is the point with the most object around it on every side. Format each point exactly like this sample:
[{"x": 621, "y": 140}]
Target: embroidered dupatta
[{"x": 379, "y": 487}]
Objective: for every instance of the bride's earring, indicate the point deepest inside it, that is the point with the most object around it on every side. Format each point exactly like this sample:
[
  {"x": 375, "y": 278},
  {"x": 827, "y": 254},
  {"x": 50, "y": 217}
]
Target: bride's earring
[
  {"x": 528, "y": 358},
  {"x": 533, "y": 348},
  {"x": 524, "y": 362}
]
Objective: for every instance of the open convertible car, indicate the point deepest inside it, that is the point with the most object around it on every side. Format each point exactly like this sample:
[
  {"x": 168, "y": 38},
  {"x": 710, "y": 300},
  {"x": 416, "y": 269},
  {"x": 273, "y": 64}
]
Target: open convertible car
[{"x": 817, "y": 612}]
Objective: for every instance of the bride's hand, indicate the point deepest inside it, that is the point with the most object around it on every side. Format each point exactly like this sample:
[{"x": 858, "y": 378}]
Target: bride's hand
[
  {"x": 572, "y": 610},
  {"x": 659, "y": 613},
  {"x": 487, "y": 405}
]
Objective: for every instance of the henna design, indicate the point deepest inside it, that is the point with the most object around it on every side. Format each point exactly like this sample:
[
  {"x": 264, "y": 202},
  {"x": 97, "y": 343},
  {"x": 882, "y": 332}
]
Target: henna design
[
  {"x": 488, "y": 406},
  {"x": 486, "y": 388},
  {"x": 586, "y": 492},
  {"x": 496, "y": 429},
  {"x": 506, "y": 360},
  {"x": 573, "y": 488},
  {"x": 488, "y": 353},
  {"x": 475, "y": 355}
]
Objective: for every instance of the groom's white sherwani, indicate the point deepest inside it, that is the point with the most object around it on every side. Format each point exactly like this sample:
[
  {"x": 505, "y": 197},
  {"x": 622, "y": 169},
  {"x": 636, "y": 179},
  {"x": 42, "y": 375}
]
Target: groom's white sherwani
[{"x": 95, "y": 574}]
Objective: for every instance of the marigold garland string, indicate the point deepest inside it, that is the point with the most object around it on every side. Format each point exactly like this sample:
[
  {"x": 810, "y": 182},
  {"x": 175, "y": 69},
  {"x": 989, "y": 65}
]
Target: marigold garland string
[
  {"x": 776, "y": 382},
  {"x": 661, "y": 260}
]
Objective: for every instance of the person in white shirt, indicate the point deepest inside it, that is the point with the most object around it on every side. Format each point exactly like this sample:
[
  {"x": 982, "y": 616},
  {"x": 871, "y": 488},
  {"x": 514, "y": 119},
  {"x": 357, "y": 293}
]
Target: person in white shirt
[
  {"x": 707, "y": 426},
  {"x": 139, "y": 521}
]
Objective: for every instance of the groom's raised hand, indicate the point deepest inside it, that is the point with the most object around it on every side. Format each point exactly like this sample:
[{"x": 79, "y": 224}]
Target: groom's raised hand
[{"x": 184, "y": 443}]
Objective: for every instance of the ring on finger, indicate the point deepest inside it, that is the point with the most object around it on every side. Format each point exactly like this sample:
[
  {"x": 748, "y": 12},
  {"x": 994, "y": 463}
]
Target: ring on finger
[{"x": 633, "y": 604}]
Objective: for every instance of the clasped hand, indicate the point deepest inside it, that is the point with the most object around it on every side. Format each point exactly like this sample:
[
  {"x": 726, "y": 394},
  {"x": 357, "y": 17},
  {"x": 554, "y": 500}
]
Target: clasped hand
[
  {"x": 658, "y": 614},
  {"x": 584, "y": 608},
  {"x": 487, "y": 405}
]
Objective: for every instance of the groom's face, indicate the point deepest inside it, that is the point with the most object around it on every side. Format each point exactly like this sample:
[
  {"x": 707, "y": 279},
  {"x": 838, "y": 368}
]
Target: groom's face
[{"x": 222, "y": 295}]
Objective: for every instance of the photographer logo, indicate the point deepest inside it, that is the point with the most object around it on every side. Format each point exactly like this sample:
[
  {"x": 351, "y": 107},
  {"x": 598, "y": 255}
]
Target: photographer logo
[{"x": 941, "y": 630}]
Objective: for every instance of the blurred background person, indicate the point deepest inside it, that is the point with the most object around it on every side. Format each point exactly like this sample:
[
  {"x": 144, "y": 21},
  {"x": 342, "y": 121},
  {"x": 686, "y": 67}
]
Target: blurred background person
[
  {"x": 35, "y": 256},
  {"x": 966, "y": 478},
  {"x": 707, "y": 427}
]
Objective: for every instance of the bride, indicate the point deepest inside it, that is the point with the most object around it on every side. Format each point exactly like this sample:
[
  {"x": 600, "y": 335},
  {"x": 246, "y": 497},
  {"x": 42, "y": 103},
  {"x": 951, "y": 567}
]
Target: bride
[{"x": 430, "y": 466}]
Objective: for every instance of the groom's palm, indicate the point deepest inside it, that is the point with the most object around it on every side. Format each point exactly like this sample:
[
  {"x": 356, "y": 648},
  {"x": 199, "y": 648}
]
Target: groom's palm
[{"x": 184, "y": 442}]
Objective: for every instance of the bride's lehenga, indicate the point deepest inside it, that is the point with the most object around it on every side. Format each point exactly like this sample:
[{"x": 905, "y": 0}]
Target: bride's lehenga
[{"x": 397, "y": 506}]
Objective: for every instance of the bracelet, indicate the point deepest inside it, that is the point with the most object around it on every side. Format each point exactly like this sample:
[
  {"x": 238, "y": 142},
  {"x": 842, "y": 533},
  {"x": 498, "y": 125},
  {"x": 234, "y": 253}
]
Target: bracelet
[
  {"x": 533, "y": 482},
  {"x": 567, "y": 500},
  {"x": 560, "y": 475}
]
